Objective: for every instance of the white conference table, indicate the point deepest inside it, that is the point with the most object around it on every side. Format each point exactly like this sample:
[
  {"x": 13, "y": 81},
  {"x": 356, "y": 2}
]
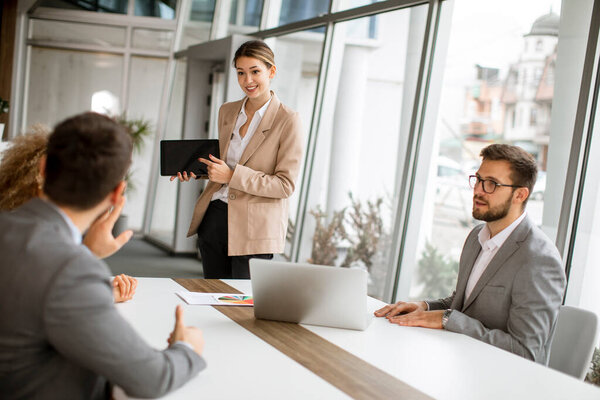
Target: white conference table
[{"x": 440, "y": 364}]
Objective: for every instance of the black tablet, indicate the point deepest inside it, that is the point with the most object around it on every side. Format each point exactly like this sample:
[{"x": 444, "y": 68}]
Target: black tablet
[{"x": 182, "y": 155}]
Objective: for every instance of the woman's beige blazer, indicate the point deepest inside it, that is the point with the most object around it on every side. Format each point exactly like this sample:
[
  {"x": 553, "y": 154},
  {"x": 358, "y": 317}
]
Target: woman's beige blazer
[{"x": 262, "y": 181}]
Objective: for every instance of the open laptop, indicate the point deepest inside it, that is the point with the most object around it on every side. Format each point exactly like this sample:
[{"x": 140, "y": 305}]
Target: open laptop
[{"x": 309, "y": 294}]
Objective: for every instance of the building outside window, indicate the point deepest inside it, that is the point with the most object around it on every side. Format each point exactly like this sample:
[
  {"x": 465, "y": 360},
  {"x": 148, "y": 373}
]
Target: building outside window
[{"x": 466, "y": 124}]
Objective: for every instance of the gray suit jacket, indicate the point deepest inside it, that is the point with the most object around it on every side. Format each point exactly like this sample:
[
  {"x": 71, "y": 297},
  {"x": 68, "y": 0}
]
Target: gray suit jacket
[
  {"x": 514, "y": 305},
  {"x": 61, "y": 336}
]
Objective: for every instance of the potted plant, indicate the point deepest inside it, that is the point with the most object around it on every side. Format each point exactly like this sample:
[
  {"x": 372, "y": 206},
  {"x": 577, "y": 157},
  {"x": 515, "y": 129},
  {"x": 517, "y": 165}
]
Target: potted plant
[
  {"x": 593, "y": 375},
  {"x": 4, "y": 106},
  {"x": 138, "y": 129}
]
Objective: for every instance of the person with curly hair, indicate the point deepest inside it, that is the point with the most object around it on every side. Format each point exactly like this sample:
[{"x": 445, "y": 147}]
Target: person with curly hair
[{"x": 21, "y": 181}]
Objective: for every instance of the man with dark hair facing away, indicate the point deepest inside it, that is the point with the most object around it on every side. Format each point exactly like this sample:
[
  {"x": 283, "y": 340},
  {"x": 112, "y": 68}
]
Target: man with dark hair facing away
[
  {"x": 510, "y": 281},
  {"x": 60, "y": 335}
]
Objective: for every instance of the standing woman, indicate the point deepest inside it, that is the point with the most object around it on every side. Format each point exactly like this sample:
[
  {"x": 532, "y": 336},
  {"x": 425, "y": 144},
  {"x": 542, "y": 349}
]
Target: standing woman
[{"x": 243, "y": 211}]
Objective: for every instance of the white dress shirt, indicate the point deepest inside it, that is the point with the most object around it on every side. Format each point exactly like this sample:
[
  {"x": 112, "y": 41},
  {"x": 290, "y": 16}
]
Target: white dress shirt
[
  {"x": 238, "y": 143},
  {"x": 489, "y": 248}
]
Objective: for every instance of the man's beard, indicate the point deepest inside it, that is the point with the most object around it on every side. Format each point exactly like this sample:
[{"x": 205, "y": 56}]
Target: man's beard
[{"x": 492, "y": 214}]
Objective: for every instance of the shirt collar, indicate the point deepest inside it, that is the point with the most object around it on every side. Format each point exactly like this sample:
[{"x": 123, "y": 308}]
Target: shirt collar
[
  {"x": 261, "y": 111},
  {"x": 497, "y": 241},
  {"x": 75, "y": 233}
]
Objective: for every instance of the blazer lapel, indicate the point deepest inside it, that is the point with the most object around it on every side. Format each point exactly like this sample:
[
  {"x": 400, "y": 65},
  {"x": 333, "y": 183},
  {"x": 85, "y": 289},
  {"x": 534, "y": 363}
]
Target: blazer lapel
[
  {"x": 229, "y": 121},
  {"x": 512, "y": 243},
  {"x": 262, "y": 129},
  {"x": 467, "y": 261}
]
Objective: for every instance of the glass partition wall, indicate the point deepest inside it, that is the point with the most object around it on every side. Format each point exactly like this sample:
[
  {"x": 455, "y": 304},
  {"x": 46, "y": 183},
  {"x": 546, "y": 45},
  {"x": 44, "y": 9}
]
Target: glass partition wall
[{"x": 113, "y": 64}]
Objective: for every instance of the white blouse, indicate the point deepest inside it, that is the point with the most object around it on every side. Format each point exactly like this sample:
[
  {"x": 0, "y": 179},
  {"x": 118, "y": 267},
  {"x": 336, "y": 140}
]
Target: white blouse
[{"x": 238, "y": 144}]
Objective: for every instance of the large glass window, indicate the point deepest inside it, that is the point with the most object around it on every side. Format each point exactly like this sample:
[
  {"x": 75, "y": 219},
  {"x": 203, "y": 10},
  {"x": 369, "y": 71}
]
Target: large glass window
[
  {"x": 246, "y": 12},
  {"x": 292, "y": 11},
  {"x": 202, "y": 10},
  {"x": 105, "y": 6},
  {"x": 244, "y": 16},
  {"x": 298, "y": 59},
  {"x": 198, "y": 23},
  {"x": 164, "y": 9},
  {"x": 238, "y": 16},
  {"x": 490, "y": 94},
  {"x": 282, "y": 12},
  {"x": 584, "y": 282},
  {"x": 361, "y": 144},
  {"x": 583, "y": 272}
]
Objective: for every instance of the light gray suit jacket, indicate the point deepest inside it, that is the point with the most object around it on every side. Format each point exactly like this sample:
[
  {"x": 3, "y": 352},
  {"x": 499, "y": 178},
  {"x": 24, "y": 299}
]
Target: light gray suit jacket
[
  {"x": 61, "y": 336},
  {"x": 514, "y": 305}
]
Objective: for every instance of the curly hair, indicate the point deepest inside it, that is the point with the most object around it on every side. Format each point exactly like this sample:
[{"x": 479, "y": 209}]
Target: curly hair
[{"x": 20, "y": 179}]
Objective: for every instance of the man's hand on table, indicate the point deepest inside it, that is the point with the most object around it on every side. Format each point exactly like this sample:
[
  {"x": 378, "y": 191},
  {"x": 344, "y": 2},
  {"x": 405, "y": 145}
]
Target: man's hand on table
[
  {"x": 401, "y": 307},
  {"x": 425, "y": 319},
  {"x": 188, "y": 334},
  {"x": 411, "y": 314}
]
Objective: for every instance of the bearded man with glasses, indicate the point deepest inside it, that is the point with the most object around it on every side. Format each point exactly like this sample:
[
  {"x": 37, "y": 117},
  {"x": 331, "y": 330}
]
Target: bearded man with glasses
[{"x": 510, "y": 281}]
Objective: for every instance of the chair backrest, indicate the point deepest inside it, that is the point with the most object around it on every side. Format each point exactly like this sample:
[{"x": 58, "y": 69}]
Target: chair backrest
[{"x": 575, "y": 336}]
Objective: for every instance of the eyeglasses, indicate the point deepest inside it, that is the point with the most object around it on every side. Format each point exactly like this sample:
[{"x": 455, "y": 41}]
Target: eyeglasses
[{"x": 488, "y": 185}]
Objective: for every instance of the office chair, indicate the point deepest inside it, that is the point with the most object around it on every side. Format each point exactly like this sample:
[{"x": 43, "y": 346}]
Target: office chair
[{"x": 575, "y": 336}]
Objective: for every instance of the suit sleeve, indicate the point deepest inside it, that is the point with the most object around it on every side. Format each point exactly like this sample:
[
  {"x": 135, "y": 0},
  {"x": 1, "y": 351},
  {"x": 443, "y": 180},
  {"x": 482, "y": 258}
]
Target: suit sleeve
[
  {"x": 535, "y": 299},
  {"x": 441, "y": 304},
  {"x": 85, "y": 327},
  {"x": 281, "y": 183}
]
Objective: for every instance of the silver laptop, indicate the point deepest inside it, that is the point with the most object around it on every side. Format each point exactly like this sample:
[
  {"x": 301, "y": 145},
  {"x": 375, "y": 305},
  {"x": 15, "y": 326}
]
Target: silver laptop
[{"x": 309, "y": 294}]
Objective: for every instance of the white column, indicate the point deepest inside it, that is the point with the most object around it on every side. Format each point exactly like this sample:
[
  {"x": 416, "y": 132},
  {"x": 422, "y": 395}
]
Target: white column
[
  {"x": 346, "y": 157},
  {"x": 220, "y": 22},
  {"x": 271, "y": 14}
]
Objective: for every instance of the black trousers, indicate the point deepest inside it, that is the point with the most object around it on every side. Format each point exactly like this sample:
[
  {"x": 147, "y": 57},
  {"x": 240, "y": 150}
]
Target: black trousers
[{"x": 212, "y": 243}]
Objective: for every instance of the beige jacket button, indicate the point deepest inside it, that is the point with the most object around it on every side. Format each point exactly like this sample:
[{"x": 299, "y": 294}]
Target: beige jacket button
[{"x": 232, "y": 196}]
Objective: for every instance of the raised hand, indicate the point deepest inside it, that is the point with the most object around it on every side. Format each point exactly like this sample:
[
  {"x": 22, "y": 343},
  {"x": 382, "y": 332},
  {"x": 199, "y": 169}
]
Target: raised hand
[{"x": 99, "y": 238}]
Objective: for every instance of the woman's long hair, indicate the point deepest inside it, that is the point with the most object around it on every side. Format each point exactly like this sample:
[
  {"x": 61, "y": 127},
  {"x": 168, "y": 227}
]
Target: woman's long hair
[{"x": 20, "y": 179}]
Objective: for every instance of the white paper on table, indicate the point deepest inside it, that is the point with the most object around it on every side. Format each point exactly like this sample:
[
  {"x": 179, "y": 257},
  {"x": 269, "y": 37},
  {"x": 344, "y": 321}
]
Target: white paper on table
[{"x": 216, "y": 299}]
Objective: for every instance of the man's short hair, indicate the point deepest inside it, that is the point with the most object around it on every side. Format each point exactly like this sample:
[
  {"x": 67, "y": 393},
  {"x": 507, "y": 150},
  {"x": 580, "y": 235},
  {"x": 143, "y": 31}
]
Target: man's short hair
[
  {"x": 522, "y": 164},
  {"x": 87, "y": 156}
]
